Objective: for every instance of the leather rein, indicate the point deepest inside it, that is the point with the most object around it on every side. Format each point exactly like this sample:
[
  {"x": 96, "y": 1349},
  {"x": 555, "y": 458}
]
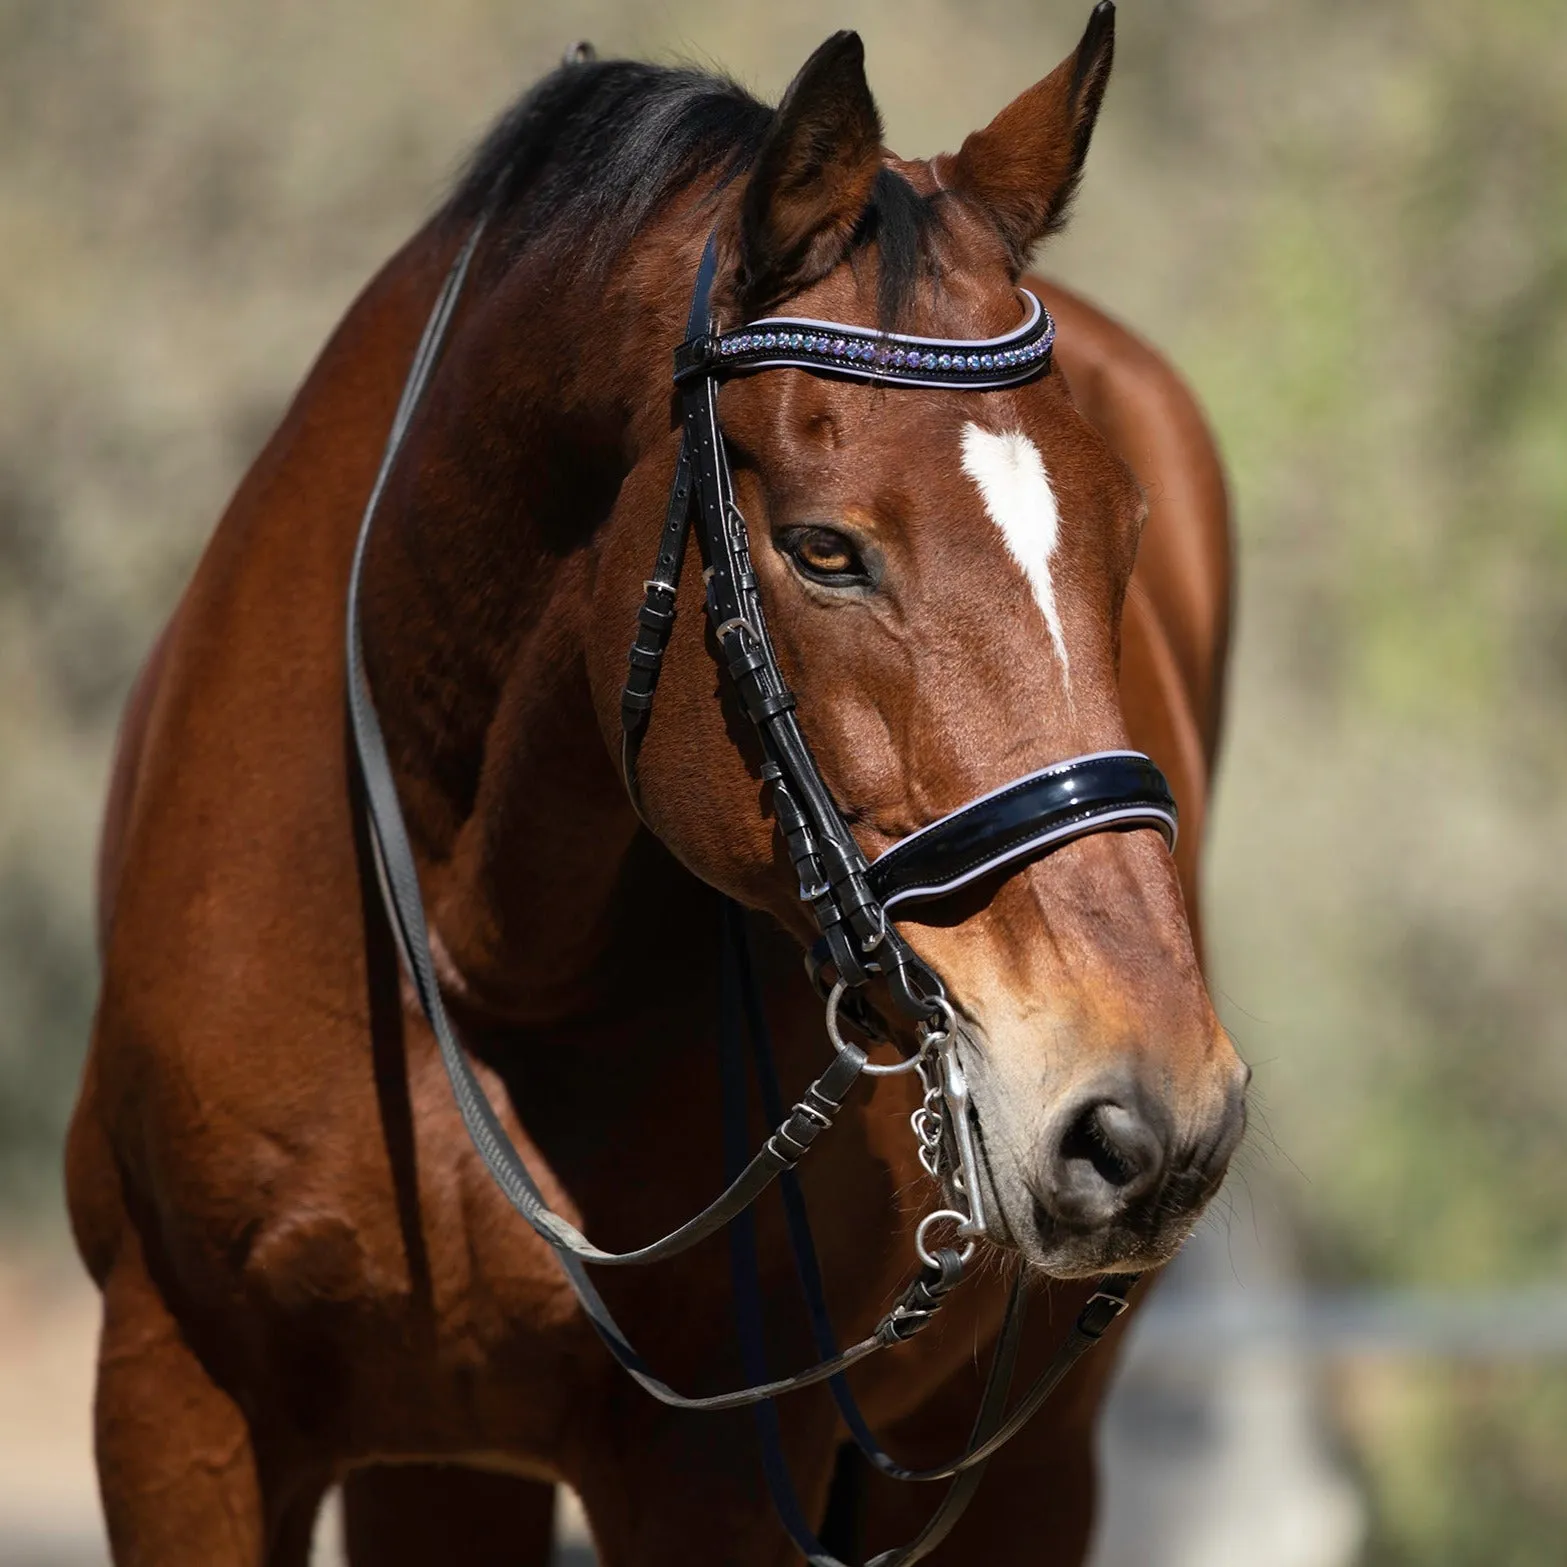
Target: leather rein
[{"x": 850, "y": 900}]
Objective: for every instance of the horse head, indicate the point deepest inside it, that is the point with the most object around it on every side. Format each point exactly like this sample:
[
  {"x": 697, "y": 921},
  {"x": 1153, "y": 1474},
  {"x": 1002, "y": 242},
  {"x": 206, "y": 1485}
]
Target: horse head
[{"x": 944, "y": 572}]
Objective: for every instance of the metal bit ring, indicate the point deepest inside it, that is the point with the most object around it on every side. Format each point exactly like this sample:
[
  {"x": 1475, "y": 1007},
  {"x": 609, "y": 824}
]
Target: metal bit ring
[
  {"x": 840, "y": 1044},
  {"x": 923, "y": 1252}
]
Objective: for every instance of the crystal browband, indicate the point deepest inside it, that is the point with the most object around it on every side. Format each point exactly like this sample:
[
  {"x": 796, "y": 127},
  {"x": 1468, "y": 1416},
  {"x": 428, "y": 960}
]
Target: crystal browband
[{"x": 885, "y": 357}]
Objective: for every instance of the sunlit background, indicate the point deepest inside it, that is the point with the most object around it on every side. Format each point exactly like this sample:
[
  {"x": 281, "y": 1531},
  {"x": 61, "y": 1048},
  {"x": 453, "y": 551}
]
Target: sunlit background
[{"x": 1347, "y": 223}]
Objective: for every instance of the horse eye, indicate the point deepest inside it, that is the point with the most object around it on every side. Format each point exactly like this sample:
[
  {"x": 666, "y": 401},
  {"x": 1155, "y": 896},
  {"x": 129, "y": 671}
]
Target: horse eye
[{"x": 825, "y": 555}]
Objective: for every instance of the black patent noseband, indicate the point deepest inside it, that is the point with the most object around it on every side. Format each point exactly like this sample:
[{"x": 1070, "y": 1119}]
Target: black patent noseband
[
  {"x": 1028, "y": 817},
  {"x": 850, "y": 900}
]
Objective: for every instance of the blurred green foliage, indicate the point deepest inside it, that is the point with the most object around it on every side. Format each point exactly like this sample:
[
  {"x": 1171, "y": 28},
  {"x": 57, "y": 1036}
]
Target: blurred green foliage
[{"x": 1345, "y": 222}]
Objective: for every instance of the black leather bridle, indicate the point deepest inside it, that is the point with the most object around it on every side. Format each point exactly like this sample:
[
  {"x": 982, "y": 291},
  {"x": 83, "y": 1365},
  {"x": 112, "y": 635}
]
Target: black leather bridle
[{"x": 850, "y": 900}]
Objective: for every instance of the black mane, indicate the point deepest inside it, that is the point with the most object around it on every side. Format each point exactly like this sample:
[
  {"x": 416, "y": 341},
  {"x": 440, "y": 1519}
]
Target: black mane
[{"x": 592, "y": 152}]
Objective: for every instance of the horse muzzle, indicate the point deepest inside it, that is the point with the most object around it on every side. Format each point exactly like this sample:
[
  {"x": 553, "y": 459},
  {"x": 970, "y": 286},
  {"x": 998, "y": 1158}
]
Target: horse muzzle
[{"x": 1104, "y": 1175}]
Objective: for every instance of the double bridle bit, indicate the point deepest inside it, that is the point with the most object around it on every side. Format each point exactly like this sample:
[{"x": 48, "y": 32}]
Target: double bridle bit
[{"x": 850, "y": 899}]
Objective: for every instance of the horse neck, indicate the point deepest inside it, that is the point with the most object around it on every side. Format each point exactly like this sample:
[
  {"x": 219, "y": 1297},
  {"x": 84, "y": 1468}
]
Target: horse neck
[{"x": 478, "y": 591}]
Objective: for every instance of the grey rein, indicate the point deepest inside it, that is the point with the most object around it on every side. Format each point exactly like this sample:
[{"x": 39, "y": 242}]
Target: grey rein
[{"x": 850, "y": 899}]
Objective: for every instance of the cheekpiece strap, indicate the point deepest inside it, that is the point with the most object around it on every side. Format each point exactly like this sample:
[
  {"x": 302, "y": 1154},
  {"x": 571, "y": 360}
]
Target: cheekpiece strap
[{"x": 826, "y": 857}]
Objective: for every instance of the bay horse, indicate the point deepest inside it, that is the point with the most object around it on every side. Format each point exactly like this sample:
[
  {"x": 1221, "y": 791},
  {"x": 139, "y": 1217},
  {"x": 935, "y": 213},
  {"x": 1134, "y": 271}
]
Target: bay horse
[{"x": 309, "y": 1275}]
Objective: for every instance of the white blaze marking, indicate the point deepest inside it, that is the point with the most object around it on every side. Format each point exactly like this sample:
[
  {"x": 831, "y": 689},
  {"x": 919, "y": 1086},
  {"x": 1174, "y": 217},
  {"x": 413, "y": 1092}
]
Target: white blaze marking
[{"x": 1016, "y": 491}]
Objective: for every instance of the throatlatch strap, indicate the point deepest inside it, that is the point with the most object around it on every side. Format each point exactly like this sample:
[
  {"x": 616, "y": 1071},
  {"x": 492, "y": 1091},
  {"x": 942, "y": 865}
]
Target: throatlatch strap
[{"x": 655, "y": 622}]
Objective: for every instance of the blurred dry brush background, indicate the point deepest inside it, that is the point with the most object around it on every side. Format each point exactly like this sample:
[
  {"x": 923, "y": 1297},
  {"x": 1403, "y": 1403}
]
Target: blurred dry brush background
[{"x": 1347, "y": 223}]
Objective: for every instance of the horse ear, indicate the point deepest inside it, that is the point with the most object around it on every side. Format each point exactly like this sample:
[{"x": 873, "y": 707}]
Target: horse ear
[
  {"x": 1023, "y": 169},
  {"x": 812, "y": 178}
]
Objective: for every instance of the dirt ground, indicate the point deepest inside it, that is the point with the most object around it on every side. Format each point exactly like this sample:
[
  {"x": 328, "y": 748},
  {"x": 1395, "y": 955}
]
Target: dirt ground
[{"x": 48, "y": 1502}]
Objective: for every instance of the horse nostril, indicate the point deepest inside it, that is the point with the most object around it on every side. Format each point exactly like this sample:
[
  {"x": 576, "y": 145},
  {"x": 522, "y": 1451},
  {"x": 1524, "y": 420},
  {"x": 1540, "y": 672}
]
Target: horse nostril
[
  {"x": 1107, "y": 1157},
  {"x": 1110, "y": 1139}
]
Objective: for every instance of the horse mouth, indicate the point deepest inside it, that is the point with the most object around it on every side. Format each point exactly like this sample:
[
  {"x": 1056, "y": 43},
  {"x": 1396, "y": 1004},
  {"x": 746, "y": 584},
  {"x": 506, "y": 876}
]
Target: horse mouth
[{"x": 1020, "y": 1219}]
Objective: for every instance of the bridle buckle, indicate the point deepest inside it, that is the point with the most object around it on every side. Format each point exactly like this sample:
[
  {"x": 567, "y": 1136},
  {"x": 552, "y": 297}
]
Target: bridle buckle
[{"x": 1099, "y": 1312}]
